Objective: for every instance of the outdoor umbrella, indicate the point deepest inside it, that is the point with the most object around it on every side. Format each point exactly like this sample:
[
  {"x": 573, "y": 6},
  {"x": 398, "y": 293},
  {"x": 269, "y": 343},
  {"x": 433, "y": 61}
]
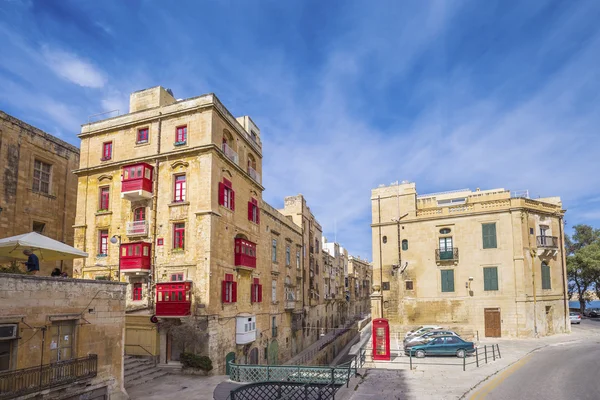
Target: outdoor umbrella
[{"x": 45, "y": 248}]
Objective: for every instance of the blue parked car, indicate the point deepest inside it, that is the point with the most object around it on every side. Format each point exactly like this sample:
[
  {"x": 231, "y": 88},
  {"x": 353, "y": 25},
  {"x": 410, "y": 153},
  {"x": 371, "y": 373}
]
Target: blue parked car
[{"x": 442, "y": 345}]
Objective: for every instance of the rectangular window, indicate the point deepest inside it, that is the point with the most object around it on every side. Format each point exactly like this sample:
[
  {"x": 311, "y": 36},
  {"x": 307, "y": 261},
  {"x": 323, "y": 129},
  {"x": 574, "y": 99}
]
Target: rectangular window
[
  {"x": 181, "y": 135},
  {"x": 38, "y": 227},
  {"x": 6, "y": 347},
  {"x": 103, "y": 243},
  {"x": 256, "y": 291},
  {"x": 104, "y": 198},
  {"x": 41, "y": 177},
  {"x": 62, "y": 338},
  {"x": 253, "y": 211},
  {"x": 179, "y": 236},
  {"x": 409, "y": 285},
  {"x": 298, "y": 259},
  {"x": 546, "y": 280},
  {"x": 137, "y": 291},
  {"x": 142, "y": 136},
  {"x": 490, "y": 278},
  {"x": 288, "y": 256},
  {"x": 228, "y": 289},
  {"x": 179, "y": 191},
  {"x": 177, "y": 277},
  {"x": 106, "y": 151},
  {"x": 447, "y": 280},
  {"x": 274, "y": 251},
  {"x": 226, "y": 194},
  {"x": 274, "y": 290},
  {"x": 489, "y": 236}
]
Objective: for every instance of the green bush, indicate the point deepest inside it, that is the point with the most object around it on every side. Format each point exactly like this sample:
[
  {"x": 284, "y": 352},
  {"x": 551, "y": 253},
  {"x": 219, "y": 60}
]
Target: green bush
[{"x": 191, "y": 360}]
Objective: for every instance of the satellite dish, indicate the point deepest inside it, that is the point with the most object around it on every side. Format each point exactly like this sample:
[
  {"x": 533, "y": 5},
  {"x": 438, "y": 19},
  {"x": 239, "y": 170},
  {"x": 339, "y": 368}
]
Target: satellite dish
[{"x": 404, "y": 268}]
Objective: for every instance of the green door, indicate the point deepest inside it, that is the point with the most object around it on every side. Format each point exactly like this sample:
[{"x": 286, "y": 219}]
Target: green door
[
  {"x": 229, "y": 358},
  {"x": 274, "y": 352}
]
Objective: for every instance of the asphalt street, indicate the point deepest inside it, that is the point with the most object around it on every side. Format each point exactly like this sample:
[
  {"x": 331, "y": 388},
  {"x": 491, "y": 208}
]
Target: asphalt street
[{"x": 557, "y": 372}]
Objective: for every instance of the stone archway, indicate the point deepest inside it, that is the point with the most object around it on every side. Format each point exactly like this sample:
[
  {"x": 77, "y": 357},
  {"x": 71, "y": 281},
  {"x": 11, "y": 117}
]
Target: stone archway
[
  {"x": 273, "y": 352},
  {"x": 253, "y": 357}
]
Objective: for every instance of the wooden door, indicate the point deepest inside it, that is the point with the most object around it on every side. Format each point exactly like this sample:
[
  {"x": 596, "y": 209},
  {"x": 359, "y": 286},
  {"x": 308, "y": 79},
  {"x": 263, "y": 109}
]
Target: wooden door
[{"x": 493, "y": 326}]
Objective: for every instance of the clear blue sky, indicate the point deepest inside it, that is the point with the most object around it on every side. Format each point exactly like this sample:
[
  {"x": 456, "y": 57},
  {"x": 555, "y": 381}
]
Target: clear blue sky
[{"x": 348, "y": 94}]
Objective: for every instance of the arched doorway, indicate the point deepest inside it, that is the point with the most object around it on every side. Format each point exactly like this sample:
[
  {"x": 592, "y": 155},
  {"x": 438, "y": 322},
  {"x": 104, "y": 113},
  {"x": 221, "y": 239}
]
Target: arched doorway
[
  {"x": 274, "y": 352},
  {"x": 253, "y": 359},
  {"x": 229, "y": 358}
]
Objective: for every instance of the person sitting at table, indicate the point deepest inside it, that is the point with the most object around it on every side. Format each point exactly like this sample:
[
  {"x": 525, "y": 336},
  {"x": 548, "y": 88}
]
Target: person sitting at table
[
  {"x": 33, "y": 262},
  {"x": 55, "y": 272}
]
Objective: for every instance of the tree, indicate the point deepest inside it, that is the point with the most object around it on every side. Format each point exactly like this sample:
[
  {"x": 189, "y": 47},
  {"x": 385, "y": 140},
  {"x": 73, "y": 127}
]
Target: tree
[{"x": 583, "y": 261}]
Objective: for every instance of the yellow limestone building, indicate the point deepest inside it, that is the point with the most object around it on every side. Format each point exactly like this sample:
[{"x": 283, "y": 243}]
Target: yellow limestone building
[
  {"x": 488, "y": 263},
  {"x": 170, "y": 201}
]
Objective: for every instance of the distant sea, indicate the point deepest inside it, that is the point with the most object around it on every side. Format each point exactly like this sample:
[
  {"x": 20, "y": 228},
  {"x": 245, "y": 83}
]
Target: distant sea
[{"x": 591, "y": 304}]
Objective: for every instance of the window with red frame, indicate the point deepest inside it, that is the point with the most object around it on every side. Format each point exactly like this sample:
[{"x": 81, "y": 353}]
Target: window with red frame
[
  {"x": 256, "y": 291},
  {"x": 177, "y": 277},
  {"x": 179, "y": 191},
  {"x": 137, "y": 291},
  {"x": 229, "y": 289},
  {"x": 139, "y": 214},
  {"x": 142, "y": 135},
  {"x": 253, "y": 211},
  {"x": 106, "y": 151},
  {"x": 103, "y": 242},
  {"x": 181, "y": 135},
  {"x": 226, "y": 194},
  {"x": 104, "y": 198},
  {"x": 179, "y": 236}
]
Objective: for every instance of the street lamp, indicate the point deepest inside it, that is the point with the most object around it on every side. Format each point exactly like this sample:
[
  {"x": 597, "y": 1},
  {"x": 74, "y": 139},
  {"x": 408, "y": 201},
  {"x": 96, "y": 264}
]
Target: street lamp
[{"x": 116, "y": 239}]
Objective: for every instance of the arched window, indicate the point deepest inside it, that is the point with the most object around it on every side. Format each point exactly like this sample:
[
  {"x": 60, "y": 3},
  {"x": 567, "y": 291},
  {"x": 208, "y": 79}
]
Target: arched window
[
  {"x": 384, "y": 239},
  {"x": 251, "y": 161},
  {"x": 404, "y": 244},
  {"x": 445, "y": 231}
]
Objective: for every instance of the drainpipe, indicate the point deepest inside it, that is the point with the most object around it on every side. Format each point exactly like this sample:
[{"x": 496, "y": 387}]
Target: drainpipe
[
  {"x": 380, "y": 252},
  {"x": 562, "y": 262},
  {"x": 532, "y": 253},
  {"x": 154, "y": 218}
]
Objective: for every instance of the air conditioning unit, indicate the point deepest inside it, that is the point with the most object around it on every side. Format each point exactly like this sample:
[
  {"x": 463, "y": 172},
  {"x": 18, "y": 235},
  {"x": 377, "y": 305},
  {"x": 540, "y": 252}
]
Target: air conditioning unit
[{"x": 8, "y": 331}]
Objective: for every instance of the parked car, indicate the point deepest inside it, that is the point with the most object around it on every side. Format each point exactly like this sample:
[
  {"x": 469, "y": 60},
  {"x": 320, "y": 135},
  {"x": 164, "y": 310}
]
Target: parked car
[
  {"x": 420, "y": 330},
  {"x": 594, "y": 313},
  {"x": 575, "y": 317},
  {"x": 426, "y": 337},
  {"x": 443, "y": 345}
]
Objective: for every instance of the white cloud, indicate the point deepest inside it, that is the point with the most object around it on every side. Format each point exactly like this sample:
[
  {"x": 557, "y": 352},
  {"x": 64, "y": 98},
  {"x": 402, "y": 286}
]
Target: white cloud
[{"x": 71, "y": 67}]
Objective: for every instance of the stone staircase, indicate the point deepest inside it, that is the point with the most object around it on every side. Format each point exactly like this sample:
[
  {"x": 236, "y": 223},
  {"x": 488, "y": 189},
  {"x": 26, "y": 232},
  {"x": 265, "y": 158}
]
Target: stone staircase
[{"x": 140, "y": 370}]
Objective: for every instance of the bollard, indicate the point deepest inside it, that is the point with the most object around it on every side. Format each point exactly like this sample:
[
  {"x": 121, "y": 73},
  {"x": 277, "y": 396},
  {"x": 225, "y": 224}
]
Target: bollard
[
  {"x": 485, "y": 350},
  {"x": 494, "y": 352},
  {"x": 410, "y": 355},
  {"x": 477, "y": 357},
  {"x": 465, "y": 362},
  {"x": 498, "y": 348}
]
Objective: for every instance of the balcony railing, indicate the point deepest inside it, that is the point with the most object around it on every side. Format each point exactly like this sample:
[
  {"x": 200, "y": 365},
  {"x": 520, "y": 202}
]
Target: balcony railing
[
  {"x": 29, "y": 380},
  {"x": 274, "y": 331},
  {"x": 547, "y": 241},
  {"x": 232, "y": 155},
  {"x": 137, "y": 228},
  {"x": 446, "y": 255},
  {"x": 290, "y": 304},
  {"x": 253, "y": 174}
]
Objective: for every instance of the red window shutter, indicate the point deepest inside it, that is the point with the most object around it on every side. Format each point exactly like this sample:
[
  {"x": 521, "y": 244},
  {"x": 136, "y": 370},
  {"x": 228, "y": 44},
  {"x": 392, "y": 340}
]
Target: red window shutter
[
  {"x": 250, "y": 207},
  {"x": 224, "y": 291},
  {"x": 233, "y": 292},
  {"x": 232, "y": 200},
  {"x": 260, "y": 293},
  {"x": 257, "y": 215},
  {"x": 221, "y": 194},
  {"x": 252, "y": 297}
]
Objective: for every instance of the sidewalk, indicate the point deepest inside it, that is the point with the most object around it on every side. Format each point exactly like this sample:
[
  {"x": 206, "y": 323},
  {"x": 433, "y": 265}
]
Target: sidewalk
[
  {"x": 181, "y": 387},
  {"x": 387, "y": 381}
]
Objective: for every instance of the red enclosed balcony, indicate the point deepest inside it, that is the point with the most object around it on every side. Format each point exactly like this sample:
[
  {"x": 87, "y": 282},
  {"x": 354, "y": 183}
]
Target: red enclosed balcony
[
  {"x": 136, "y": 182},
  {"x": 245, "y": 253},
  {"x": 173, "y": 299},
  {"x": 135, "y": 257}
]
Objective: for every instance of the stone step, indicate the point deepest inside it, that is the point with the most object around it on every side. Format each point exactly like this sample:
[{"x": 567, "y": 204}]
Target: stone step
[
  {"x": 131, "y": 362},
  {"x": 138, "y": 379},
  {"x": 138, "y": 369}
]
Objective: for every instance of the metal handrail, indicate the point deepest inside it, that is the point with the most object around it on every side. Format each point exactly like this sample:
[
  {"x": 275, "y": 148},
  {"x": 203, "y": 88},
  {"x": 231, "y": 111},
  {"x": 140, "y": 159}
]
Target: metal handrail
[
  {"x": 446, "y": 255},
  {"x": 146, "y": 350},
  {"x": 29, "y": 380},
  {"x": 547, "y": 241}
]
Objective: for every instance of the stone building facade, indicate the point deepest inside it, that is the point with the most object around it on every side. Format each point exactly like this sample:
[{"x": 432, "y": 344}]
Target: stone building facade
[
  {"x": 38, "y": 190},
  {"x": 487, "y": 263},
  {"x": 170, "y": 201},
  {"x": 360, "y": 273},
  {"x": 73, "y": 328}
]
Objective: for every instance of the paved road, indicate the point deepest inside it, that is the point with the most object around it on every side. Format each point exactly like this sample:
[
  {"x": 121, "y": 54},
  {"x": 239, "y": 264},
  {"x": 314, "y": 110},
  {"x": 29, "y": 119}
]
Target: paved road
[{"x": 557, "y": 372}]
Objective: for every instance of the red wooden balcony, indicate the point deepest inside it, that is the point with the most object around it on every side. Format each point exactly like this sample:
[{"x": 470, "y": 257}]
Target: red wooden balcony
[
  {"x": 245, "y": 253},
  {"x": 135, "y": 257},
  {"x": 136, "y": 182},
  {"x": 173, "y": 299}
]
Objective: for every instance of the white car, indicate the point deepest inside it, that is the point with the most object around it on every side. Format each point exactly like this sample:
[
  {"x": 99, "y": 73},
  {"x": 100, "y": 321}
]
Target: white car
[
  {"x": 421, "y": 329},
  {"x": 575, "y": 317},
  {"x": 429, "y": 335}
]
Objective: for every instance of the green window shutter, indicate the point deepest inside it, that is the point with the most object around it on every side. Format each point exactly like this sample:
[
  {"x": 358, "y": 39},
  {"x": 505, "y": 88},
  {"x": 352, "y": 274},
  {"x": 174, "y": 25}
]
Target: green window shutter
[
  {"x": 490, "y": 278},
  {"x": 546, "y": 281},
  {"x": 447, "y": 280},
  {"x": 489, "y": 236}
]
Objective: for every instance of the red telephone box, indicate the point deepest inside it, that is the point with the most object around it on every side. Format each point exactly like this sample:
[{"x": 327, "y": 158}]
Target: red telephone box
[{"x": 381, "y": 339}]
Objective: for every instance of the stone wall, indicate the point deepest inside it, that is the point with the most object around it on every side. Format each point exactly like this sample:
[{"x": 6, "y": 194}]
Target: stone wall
[{"x": 94, "y": 310}]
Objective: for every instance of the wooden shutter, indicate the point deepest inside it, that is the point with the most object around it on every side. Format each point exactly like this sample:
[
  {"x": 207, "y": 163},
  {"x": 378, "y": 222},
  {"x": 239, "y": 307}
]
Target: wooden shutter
[
  {"x": 250, "y": 207},
  {"x": 224, "y": 291},
  {"x": 221, "y": 194},
  {"x": 233, "y": 292},
  {"x": 448, "y": 280},
  {"x": 257, "y": 215},
  {"x": 546, "y": 282},
  {"x": 489, "y": 236},
  {"x": 232, "y": 200},
  {"x": 260, "y": 293},
  {"x": 252, "y": 297},
  {"x": 490, "y": 278}
]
